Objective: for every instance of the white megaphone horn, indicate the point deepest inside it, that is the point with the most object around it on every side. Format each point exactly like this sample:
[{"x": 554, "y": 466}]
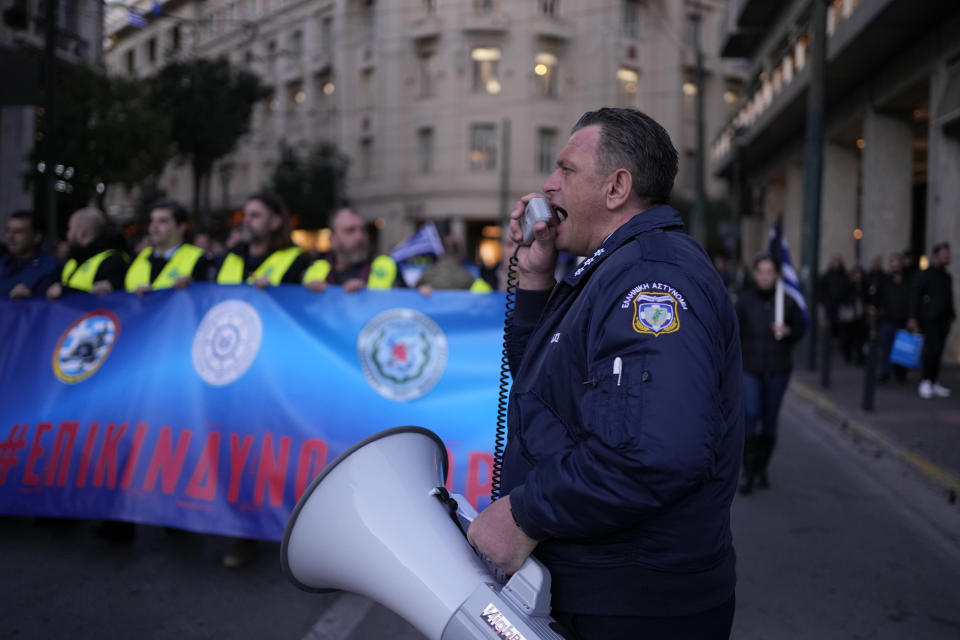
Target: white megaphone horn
[{"x": 377, "y": 521}]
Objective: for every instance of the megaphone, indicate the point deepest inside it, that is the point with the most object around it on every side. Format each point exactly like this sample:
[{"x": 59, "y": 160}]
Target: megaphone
[{"x": 377, "y": 521}]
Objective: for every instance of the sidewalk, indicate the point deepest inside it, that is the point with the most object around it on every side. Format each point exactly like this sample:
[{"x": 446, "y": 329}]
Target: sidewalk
[{"x": 924, "y": 434}]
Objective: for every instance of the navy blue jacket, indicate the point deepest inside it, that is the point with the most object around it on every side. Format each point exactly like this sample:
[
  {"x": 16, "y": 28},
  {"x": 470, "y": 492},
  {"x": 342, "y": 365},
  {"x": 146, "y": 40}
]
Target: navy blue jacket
[
  {"x": 37, "y": 274},
  {"x": 626, "y": 474}
]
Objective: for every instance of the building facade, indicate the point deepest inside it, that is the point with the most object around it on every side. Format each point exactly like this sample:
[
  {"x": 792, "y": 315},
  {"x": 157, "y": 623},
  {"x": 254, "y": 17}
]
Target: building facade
[
  {"x": 446, "y": 109},
  {"x": 891, "y": 158},
  {"x": 79, "y": 34}
]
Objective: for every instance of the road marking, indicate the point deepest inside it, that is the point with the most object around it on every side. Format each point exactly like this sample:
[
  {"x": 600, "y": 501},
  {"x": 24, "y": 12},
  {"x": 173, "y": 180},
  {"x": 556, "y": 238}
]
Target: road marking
[
  {"x": 919, "y": 464},
  {"x": 341, "y": 619}
]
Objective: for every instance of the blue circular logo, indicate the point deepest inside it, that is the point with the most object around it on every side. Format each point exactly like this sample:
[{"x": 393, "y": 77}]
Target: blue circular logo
[
  {"x": 84, "y": 346},
  {"x": 403, "y": 354}
]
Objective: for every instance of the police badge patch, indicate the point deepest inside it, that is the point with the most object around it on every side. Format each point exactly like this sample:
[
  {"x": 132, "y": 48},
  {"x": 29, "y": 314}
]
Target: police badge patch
[{"x": 655, "y": 312}]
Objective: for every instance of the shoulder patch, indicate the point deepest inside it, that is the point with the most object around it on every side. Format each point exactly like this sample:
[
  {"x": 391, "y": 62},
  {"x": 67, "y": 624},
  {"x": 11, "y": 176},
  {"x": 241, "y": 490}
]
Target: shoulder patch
[{"x": 655, "y": 308}]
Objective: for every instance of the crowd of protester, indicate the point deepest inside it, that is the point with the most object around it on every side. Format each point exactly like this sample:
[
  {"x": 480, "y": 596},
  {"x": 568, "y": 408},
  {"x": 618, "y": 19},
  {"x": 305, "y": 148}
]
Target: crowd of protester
[{"x": 96, "y": 258}]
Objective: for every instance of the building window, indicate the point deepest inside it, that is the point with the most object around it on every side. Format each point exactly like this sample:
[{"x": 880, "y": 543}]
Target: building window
[
  {"x": 296, "y": 44},
  {"x": 132, "y": 61},
  {"x": 429, "y": 6},
  {"x": 629, "y": 14},
  {"x": 152, "y": 50},
  {"x": 483, "y": 147},
  {"x": 627, "y": 84},
  {"x": 546, "y": 150},
  {"x": 272, "y": 53},
  {"x": 326, "y": 34},
  {"x": 425, "y": 149},
  {"x": 545, "y": 68},
  {"x": 175, "y": 38},
  {"x": 369, "y": 18},
  {"x": 366, "y": 157},
  {"x": 426, "y": 64},
  {"x": 548, "y": 7},
  {"x": 366, "y": 89},
  {"x": 486, "y": 69},
  {"x": 486, "y": 5}
]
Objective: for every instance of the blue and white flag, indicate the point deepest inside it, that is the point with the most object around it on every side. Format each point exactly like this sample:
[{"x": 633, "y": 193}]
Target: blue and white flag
[
  {"x": 135, "y": 18},
  {"x": 426, "y": 241},
  {"x": 780, "y": 252}
]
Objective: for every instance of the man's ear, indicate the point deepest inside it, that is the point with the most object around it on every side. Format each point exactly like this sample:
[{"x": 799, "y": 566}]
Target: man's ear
[{"x": 619, "y": 188}]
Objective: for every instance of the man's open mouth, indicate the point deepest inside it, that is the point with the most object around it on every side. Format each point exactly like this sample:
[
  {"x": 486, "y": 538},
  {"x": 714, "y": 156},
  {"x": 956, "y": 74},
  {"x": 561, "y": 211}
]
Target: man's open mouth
[{"x": 561, "y": 214}]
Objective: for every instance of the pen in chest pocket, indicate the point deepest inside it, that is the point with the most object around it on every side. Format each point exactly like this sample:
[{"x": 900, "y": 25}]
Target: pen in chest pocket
[{"x": 618, "y": 368}]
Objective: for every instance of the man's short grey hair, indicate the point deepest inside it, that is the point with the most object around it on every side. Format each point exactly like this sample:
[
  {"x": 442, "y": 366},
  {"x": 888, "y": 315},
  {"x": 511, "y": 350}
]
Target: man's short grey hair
[{"x": 632, "y": 140}]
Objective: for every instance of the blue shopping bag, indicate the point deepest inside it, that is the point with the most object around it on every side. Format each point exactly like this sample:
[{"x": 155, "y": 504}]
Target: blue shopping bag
[{"x": 907, "y": 348}]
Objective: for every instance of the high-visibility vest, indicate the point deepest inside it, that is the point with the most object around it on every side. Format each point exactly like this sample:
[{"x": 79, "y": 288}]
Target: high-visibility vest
[
  {"x": 383, "y": 272},
  {"x": 480, "y": 286},
  {"x": 82, "y": 278},
  {"x": 274, "y": 267},
  {"x": 181, "y": 263}
]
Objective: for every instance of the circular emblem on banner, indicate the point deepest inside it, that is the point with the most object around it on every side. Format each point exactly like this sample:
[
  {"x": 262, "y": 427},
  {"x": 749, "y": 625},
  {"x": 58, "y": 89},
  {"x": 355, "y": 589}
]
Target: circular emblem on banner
[
  {"x": 84, "y": 346},
  {"x": 403, "y": 353},
  {"x": 226, "y": 342}
]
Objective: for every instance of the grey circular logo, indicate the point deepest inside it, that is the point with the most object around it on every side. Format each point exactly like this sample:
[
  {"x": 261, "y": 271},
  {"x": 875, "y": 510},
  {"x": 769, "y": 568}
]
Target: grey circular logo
[
  {"x": 226, "y": 342},
  {"x": 403, "y": 353}
]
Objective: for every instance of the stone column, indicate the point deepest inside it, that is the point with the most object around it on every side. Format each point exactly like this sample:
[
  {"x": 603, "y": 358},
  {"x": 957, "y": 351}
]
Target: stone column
[
  {"x": 887, "y": 175},
  {"x": 793, "y": 211},
  {"x": 838, "y": 204},
  {"x": 943, "y": 186}
]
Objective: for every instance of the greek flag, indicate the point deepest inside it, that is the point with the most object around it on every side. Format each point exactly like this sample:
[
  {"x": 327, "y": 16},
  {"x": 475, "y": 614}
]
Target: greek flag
[
  {"x": 426, "y": 241},
  {"x": 135, "y": 19},
  {"x": 780, "y": 252}
]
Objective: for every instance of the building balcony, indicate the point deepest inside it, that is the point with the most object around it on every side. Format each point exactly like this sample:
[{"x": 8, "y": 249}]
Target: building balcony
[
  {"x": 862, "y": 37},
  {"x": 485, "y": 21},
  {"x": 425, "y": 27},
  {"x": 552, "y": 28},
  {"x": 744, "y": 25}
]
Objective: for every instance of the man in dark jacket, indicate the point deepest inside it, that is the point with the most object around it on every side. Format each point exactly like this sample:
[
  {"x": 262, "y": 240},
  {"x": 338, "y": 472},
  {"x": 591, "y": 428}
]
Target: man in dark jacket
[
  {"x": 932, "y": 313},
  {"x": 625, "y": 420},
  {"x": 27, "y": 270},
  {"x": 893, "y": 307}
]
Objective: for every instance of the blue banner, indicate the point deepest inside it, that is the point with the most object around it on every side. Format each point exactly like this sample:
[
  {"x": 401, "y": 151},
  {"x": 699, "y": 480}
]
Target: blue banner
[{"x": 212, "y": 408}]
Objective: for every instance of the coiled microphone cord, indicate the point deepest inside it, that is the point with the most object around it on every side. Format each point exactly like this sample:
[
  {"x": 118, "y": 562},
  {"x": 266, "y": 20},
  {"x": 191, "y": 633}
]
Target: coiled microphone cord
[{"x": 504, "y": 393}]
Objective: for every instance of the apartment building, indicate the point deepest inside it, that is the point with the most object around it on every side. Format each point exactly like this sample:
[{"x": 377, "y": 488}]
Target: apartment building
[
  {"x": 447, "y": 109},
  {"x": 891, "y": 159}
]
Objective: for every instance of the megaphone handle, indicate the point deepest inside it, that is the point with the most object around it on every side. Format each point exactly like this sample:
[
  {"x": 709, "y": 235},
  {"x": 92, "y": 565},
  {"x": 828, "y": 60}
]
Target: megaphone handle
[{"x": 441, "y": 494}]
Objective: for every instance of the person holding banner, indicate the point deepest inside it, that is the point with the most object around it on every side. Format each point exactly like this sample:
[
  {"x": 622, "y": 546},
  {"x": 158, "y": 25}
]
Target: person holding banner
[
  {"x": 97, "y": 262},
  {"x": 27, "y": 270},
  {"x": 771, "y": 324},
  {"x": 267, "y": 257},
  {"x": 169, "y": 261},
  {"x": 349, "y": 263},
  {"x": 625, "y": 423}
]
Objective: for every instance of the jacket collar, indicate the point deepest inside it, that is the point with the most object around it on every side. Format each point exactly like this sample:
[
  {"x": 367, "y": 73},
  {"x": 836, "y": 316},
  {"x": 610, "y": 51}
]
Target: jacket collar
[{"x": 659, "y": 217}]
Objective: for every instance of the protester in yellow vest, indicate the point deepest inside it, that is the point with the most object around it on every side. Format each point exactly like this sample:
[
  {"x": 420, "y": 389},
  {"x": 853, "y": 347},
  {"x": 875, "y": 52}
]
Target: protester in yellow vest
[
  {"x": 449, "y": 272},
  {"x": 169, "y": 261},
  {"x": 349, "y": 263},
  {"x": 97, "y": 260},
  {"x": 267, "y": 257}
]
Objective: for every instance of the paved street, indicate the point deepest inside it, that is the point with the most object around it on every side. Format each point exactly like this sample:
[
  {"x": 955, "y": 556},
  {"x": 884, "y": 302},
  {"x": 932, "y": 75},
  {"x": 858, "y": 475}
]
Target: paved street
[{"x": 847, "y": 544}]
